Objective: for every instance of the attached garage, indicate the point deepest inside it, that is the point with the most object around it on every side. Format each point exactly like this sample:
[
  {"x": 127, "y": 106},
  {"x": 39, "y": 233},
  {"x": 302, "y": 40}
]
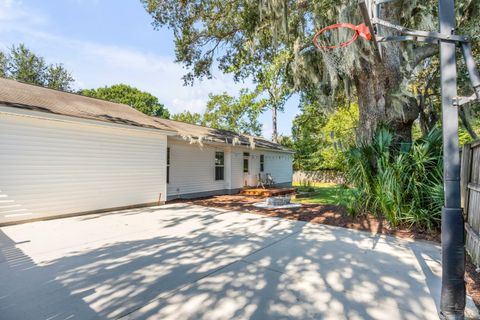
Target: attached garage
[
  {"x": 63, "y": 154},
  {"x": 53, "y": 165}
]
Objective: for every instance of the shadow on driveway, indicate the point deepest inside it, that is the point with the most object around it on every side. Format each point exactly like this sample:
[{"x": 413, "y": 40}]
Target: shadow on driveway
[{"x": 189, "y": 262}]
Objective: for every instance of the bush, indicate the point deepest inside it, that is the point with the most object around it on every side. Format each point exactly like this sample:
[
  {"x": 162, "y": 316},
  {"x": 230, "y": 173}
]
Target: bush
[{"x": 403, "y": 184}]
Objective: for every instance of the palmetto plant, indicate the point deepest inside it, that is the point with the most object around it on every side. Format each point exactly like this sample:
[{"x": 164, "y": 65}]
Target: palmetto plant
[{"x": 402, "y": 183}]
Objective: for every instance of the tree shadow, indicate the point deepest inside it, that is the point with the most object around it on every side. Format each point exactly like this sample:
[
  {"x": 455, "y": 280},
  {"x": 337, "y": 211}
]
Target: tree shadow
[{"x": 196, "y": 263}]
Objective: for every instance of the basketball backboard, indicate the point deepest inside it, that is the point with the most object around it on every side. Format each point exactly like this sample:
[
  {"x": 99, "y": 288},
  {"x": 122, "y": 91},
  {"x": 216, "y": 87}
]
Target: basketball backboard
[{"x": 370, "y": 10}]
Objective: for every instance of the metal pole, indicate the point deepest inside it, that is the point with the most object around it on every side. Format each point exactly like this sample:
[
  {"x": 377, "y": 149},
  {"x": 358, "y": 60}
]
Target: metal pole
[{"x": 452, "y": 303}]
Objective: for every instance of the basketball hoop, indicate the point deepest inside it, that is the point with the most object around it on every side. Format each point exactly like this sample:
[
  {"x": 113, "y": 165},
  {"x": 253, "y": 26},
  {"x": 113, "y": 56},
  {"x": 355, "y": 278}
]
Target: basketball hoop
[
  {"x": 360, "y": 30},
  {"x": 334, "y": 40}
]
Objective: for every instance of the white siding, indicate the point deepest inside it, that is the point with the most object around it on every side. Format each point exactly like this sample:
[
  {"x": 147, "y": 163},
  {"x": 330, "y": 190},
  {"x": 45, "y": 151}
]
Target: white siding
[
  {"x": 192, "y": 169},
  {"x": 278, "y": 164},
  {"x": 238, "y": 179},
  {"x": 51, "y": 167}
]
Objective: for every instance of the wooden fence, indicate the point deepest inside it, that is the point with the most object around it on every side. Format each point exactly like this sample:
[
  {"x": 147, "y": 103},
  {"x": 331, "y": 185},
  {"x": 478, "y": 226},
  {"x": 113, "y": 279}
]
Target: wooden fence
[
  {"x": 470, "y": 180},
  {"x": 306, "y": 177}
]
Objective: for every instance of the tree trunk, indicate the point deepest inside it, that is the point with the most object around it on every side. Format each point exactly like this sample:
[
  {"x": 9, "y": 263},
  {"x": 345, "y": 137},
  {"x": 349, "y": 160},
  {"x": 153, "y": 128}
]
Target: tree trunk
[
  {"x": 274, "y": 124},
  {"x": 378, "y": 85},
  {"x": 377, "y": 108},
  {"x": 466, "y": 123}
]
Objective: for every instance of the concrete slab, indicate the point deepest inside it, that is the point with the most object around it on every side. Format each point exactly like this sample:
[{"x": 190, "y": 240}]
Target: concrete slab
[
  {"x": 189, "y": 262},
  {"x": 107, "y": 266}
]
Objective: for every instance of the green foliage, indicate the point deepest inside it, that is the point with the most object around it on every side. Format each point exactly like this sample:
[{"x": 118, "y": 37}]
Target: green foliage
[
  {"x": 122, "y": 93},
  {"x": 238, "y": 114},
  {"x": 22, "y": 64},
  {"x": 404, "y": 186},
  {"x": 307, "y": 138},
  {"x": 3, "y": 65},
  {"x": 320, "y": 140},
  {"x": 339, "y": 133},
  {"x": 188, "y": 117},
  {"x": 249, "y": 38},
  {"x": 286, "y": 141}
]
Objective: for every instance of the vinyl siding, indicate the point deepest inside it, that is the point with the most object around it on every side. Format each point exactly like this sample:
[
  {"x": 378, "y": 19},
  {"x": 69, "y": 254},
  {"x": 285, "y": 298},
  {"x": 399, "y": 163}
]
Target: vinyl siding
[
  {"x": 192, "y": 169},
  {"x": 278, "y": 164},
  {"x": 237, "y": 169},
  {"x": 50, "y": 168}
]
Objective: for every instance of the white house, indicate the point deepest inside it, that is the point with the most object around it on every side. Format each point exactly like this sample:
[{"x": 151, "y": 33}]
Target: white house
[{"x": 63, "y": 154}]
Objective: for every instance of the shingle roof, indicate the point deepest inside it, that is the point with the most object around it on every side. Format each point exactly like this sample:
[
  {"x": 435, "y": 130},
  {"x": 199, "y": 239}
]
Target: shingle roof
[
  {"x": 27, "y": 96},
  {"x": 32, "y": 97},
  {"x": 206, "y": 134}
]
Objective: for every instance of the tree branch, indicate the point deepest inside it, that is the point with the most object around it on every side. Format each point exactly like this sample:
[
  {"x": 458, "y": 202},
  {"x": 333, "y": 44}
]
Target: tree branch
[{"x": 424, "y": 52}]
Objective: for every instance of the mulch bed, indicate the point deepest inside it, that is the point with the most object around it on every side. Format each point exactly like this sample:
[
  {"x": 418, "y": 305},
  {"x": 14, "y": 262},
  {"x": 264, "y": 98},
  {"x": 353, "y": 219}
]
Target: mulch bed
[
  {"x": 337, "y": 216},
  {"x": 314, "y": 213},
  {"x": 472, "y": 279}
]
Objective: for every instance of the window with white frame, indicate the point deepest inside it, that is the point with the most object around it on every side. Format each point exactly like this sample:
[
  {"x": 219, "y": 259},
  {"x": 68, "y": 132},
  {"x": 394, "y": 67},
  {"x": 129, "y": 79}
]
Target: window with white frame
[
  {"x": 262, "y": 163},
  {"x": 219, "y": 165},
  {"x": 246, "y": 157}
]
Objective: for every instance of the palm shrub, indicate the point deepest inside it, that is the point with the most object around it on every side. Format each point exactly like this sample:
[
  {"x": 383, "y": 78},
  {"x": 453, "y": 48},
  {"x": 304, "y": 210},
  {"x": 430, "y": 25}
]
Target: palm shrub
[{"x": 401, "y": 183}]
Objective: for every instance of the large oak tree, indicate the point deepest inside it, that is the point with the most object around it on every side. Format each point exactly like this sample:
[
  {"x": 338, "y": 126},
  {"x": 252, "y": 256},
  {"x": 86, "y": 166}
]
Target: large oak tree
[{"x": 244, "y": 37}]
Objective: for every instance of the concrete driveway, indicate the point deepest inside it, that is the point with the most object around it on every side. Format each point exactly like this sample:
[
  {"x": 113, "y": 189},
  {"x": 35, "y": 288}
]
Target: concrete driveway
[{"x": 187, "y": 262}]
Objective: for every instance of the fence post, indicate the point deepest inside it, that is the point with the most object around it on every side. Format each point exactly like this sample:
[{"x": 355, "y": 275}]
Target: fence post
[{"x": 465, "y": 175}]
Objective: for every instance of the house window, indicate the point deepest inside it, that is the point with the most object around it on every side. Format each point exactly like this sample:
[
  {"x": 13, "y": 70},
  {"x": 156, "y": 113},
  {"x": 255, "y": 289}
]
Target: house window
[
  {"x": 246, "y": 156},
  {"x": 168, "y": 165},
  {"x": 219, "y": 165},
  {"x": 262, "y": 163}
]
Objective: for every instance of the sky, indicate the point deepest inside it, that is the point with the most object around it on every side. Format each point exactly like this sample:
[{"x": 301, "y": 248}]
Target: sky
[{"x": 105, "y": 42}]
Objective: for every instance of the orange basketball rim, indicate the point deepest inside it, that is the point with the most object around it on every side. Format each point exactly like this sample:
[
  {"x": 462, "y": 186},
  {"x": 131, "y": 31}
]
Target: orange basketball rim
[{"x": 359, "y": 30}]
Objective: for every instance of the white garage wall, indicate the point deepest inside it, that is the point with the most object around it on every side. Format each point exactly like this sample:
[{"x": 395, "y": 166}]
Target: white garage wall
[
  {"x": 50, "y": 168},
  {"x": 192, "y": 169},
  {"x": 278, "y": 164}
]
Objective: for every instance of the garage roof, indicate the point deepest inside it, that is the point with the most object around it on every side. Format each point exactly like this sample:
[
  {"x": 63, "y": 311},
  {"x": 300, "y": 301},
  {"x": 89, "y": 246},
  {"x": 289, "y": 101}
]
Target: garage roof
[{"x": 37, "y": 98}]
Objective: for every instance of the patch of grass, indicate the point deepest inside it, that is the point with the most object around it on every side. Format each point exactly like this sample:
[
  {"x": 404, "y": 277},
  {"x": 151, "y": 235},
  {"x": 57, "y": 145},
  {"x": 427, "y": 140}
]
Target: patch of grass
[{"x": 328, "y": 193}]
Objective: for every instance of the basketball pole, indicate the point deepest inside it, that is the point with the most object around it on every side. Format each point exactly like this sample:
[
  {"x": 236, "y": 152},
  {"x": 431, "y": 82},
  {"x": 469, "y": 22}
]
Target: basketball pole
[{"x": 452, "y": 301}]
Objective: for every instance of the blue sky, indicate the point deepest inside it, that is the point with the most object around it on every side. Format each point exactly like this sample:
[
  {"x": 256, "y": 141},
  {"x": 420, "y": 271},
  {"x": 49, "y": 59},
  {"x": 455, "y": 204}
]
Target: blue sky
[{"x": 103, "y": 42}]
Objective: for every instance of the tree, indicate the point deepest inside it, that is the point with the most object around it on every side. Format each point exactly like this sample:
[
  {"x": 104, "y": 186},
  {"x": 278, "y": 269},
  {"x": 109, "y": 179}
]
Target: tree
[
  {"x": 122, "y": 93},
  {"x": 188, "y": 117},
  {"x": 22, "y": 64},
  {"x": 272, "y": 79},
  {"x": 58, "y": 77},
  {"x": 243, "y": 38},
  {"x": 238, "y": 114},
  {"x": 338, "y": 136},
  {"x": 3, "y": 65},
  {"x": 235, "y": 114},
  {"x": 307, "y": 136}
]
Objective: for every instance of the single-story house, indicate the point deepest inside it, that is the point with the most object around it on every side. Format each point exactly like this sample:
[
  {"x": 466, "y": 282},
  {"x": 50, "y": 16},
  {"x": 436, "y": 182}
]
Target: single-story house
[{"x": 63, "y": 153}]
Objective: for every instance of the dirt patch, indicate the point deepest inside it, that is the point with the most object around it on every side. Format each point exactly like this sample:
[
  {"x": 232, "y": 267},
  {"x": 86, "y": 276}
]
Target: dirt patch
[
  {"x": 323, "y": 214},
  {"x": 472, "y": 279}
]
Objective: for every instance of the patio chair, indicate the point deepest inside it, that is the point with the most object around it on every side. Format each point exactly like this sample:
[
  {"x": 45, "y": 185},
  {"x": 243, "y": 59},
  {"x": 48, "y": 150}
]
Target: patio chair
[
  {"x": 261, "y": 181},
  {"x": 269, "y": 180}
]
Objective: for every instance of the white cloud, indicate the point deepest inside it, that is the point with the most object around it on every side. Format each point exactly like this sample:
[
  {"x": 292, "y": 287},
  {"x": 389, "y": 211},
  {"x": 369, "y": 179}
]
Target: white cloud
[
  {"x": 94, "y": 64},
  {"x": 14, "y": 15}
]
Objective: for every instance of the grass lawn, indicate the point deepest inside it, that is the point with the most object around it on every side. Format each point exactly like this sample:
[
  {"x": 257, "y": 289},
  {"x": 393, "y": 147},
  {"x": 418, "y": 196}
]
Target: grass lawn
[{"x": 327, "y": 193}]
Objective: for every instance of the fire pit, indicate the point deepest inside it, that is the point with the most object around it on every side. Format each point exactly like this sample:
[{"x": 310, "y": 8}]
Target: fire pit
[{"x": 277, "y": 203}]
